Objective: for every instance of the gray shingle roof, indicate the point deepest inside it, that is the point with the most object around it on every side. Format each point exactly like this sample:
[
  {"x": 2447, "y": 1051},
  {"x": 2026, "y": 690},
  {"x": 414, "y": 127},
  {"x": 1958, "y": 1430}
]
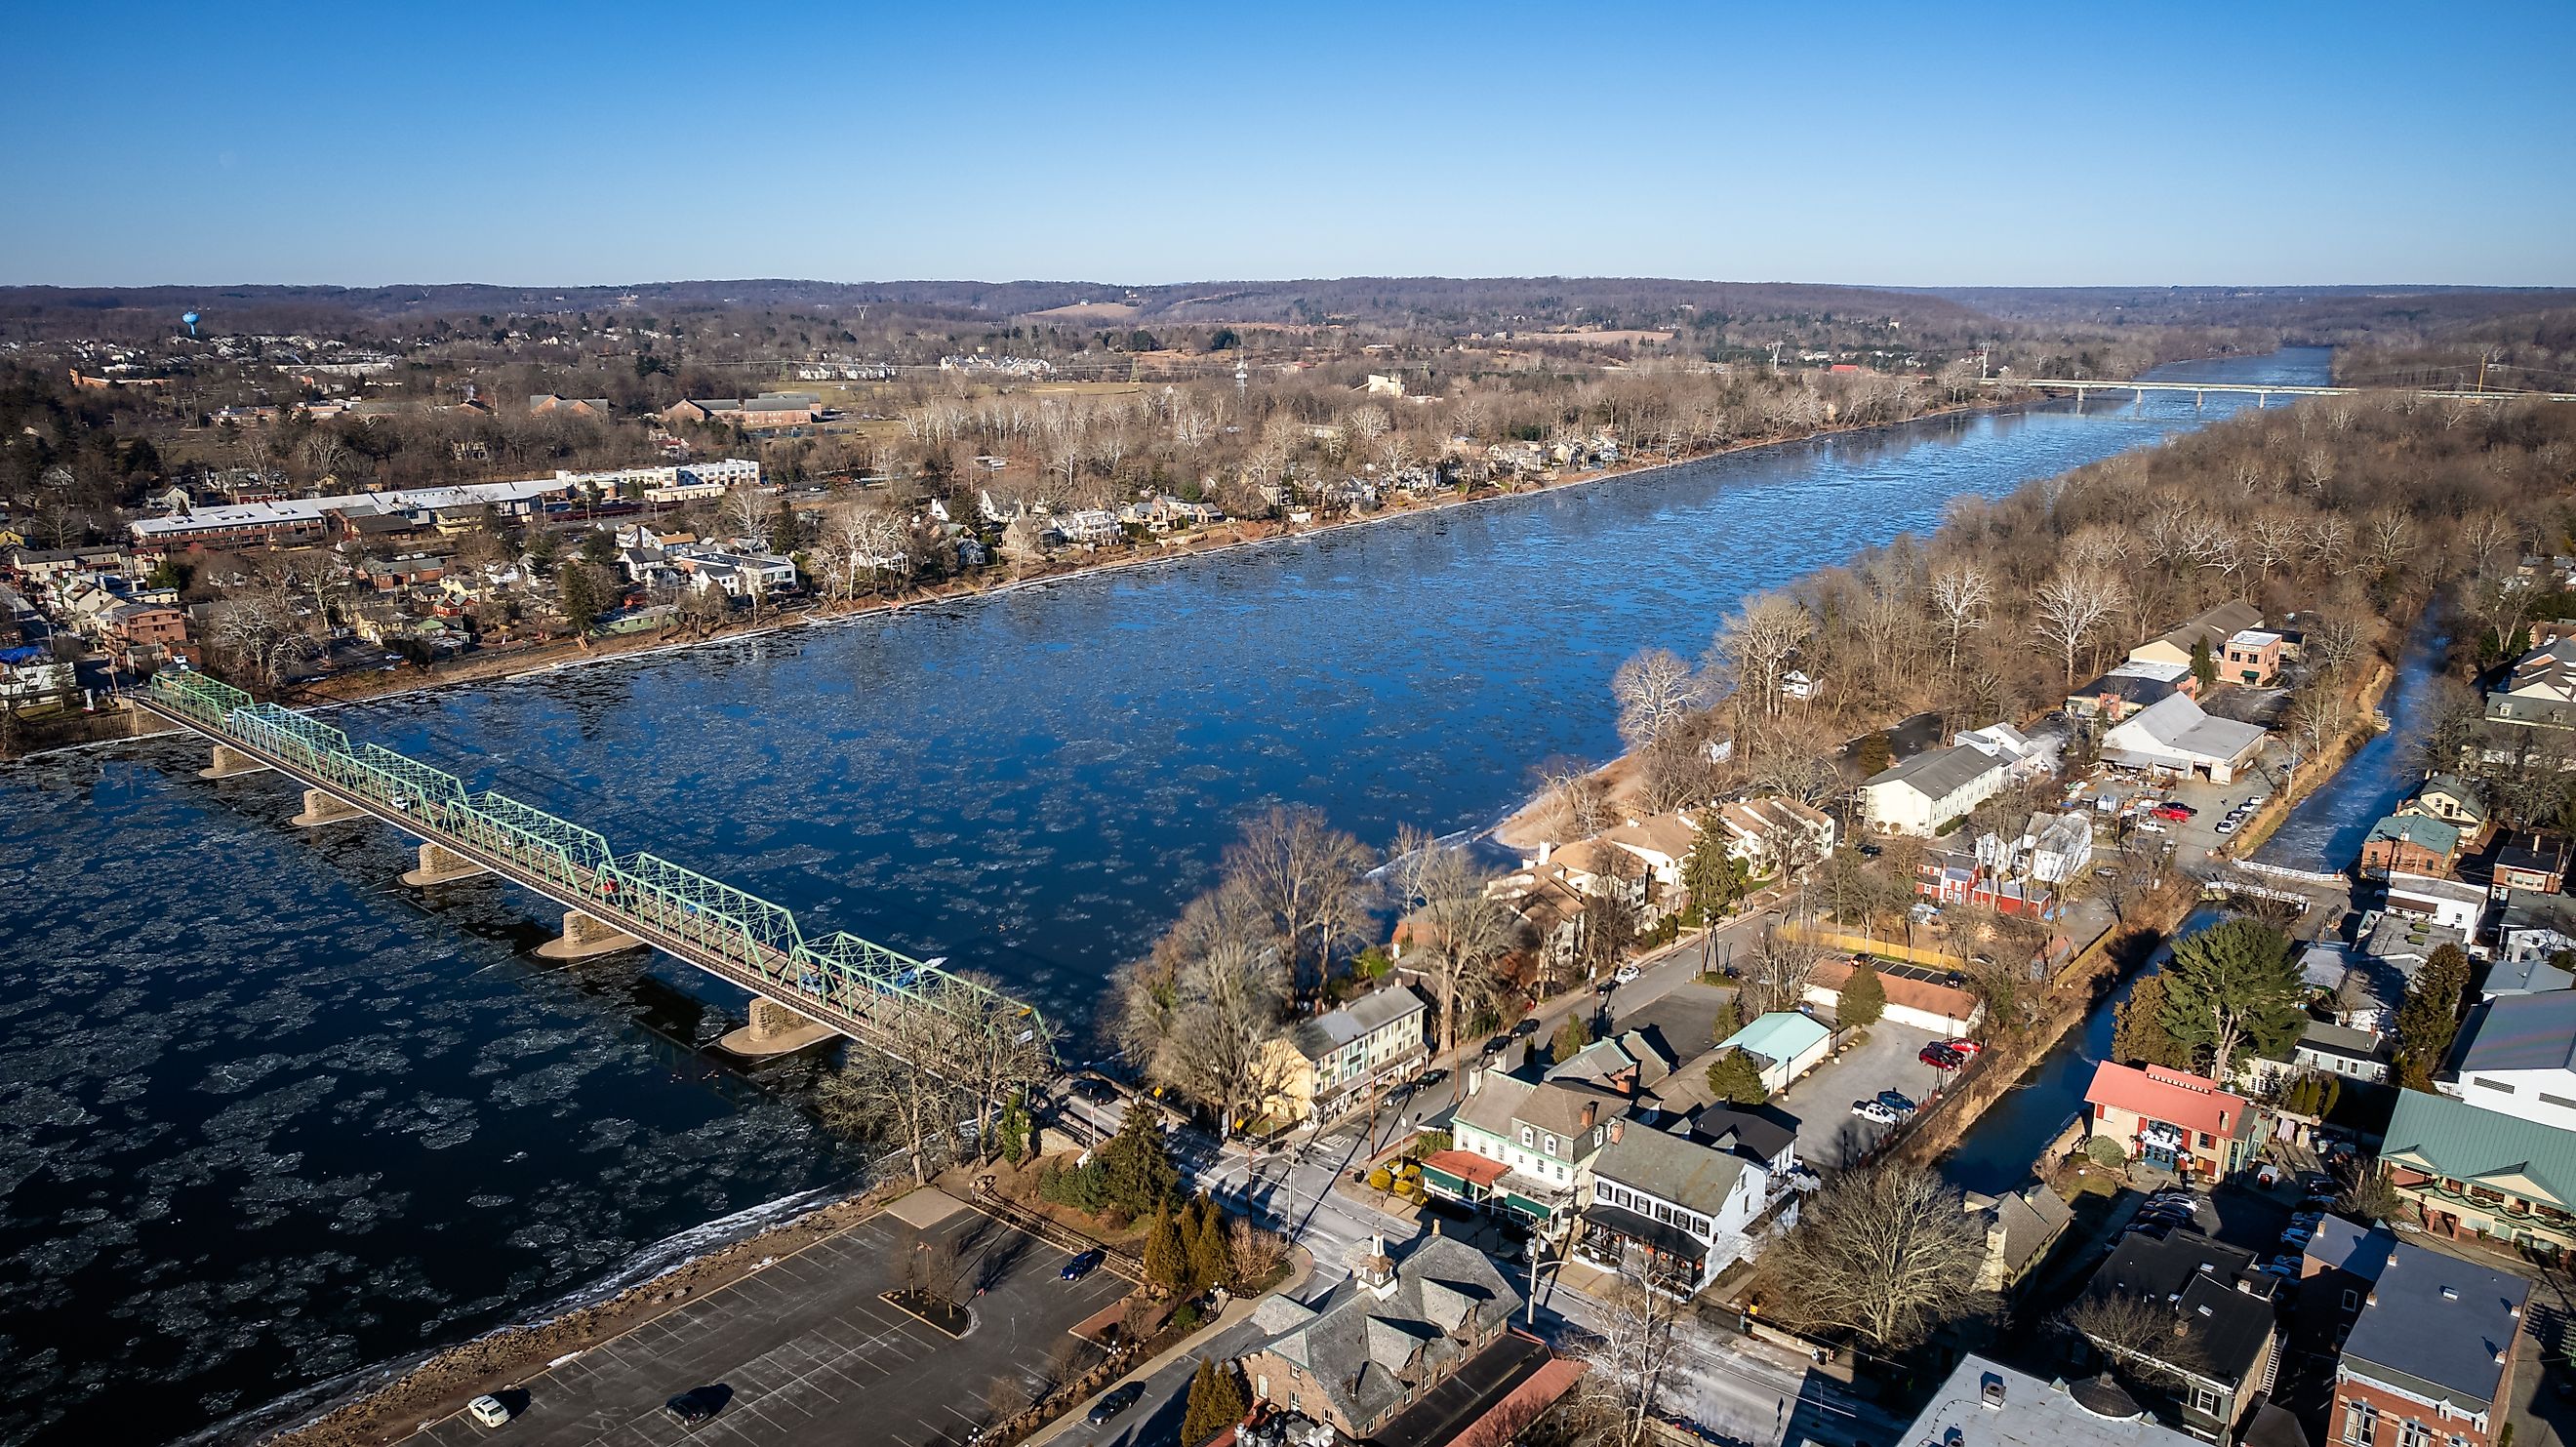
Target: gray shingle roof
[
  {"x": 2434, "y": 1326},
  {"x": 1670, "y": 1167},
  {"x": 1367, "y": 1354},
  {"x": 1939, "y": 773}
]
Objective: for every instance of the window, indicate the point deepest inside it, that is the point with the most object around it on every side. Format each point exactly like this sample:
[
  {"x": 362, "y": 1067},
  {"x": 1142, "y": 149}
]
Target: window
[
  {"x": 2411, "y": 1433},
  {"x": 2560, "y": 1101},
  {"x": 2351, "y": 1300},
  {"x": 1528, "y": 1137},
  {"x": 2360, "y": 1422},
  {"x": 1551, "y": 1145},
  {"x": 2207, "y": 1141},
  {"x": 2498, "y": 1086}
]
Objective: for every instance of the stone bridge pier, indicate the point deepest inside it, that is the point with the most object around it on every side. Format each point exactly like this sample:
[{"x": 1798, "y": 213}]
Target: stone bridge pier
[
  {"x": 775, "y": 1029},
  {"x": 585, "y": 936},
  {"x": 228, "y": 762},
  {"x": 321, "y": 807},
  {"x": 441, "y": 865}
]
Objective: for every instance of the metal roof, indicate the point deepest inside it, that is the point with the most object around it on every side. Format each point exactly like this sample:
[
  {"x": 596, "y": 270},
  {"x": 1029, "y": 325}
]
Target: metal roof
[
  {"x": 2457, "y": 1141},
  {"x": 2435, "y": 1325}
]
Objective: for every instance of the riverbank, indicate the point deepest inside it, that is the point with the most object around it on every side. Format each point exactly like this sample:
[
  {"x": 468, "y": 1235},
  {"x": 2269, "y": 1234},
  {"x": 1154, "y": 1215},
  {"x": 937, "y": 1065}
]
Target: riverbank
[{"x": 559, "y": 655}]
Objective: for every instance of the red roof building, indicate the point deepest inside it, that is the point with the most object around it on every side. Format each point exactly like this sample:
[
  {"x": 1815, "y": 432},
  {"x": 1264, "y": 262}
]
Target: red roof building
[{"x": 2172, "y": 1119}]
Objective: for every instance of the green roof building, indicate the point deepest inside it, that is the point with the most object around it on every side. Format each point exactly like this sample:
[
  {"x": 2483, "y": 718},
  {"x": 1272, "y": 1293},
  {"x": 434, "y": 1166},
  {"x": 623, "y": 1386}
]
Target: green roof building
[{"x": 2480, "y": 1174}]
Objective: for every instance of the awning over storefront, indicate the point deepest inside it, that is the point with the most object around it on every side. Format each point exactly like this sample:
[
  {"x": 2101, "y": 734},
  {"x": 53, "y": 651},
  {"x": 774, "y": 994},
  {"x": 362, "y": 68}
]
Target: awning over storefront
[
  {"x": 1645, "y": 1230},
  {"x": 1463, "y": 1174}
]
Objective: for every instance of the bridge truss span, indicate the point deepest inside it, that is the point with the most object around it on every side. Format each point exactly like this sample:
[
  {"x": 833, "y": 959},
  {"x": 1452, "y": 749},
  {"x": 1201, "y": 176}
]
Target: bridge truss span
[{"x": 850, "y": 985}]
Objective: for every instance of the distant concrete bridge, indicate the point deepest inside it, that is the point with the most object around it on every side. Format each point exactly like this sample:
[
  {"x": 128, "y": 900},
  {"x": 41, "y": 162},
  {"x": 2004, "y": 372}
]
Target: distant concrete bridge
[
  {"x": 2261, "y": 392},
  {"x": 803, "y": 991}
]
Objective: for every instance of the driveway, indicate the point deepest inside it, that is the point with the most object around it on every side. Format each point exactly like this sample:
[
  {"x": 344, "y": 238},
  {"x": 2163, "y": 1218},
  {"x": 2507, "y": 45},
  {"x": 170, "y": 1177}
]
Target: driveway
[{"x": 1829, "y": 1135}]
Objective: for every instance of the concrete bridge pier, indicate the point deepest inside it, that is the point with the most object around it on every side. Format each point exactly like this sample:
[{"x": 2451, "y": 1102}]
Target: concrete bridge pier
[
  {"x": 229, "y": 761},
  {"x": 585, "y": 936},
  {"x": 441, "y": 865},
  {"x": 321, "y": 807},
  {"x": 774, "y": 1030}
]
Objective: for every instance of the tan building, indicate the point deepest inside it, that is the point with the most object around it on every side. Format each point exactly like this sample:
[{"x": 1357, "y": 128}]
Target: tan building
[
  {"x": 1333, "y": 1063},
  {"x": 1384, "y": 1342},
  {"x": 2212, "y": 628}
]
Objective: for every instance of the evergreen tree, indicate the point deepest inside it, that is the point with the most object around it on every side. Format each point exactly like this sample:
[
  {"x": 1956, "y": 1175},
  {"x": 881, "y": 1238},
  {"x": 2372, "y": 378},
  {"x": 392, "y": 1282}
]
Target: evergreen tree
[
  {"x": 2204, "y": 666},
  {"x": 1571, "y": 1037},
  {"x": 2430, "y": 1017},
  {"x": 2138, "y": 1035},
  {"x": 1167, "y": 1261},
  {"x": 1211, "y": 1262},
  {"x": 1713, "y": 877},
  {"x": 1011, "y": 1132},
  {"x": 1864, "y": 998},
  {"x": 1734, "y": 1078},
  {"x": 1730, "y": 1018},
  {"x": 2234, "y": 987},
  {"x": 1136, "y": 1170},
  {"x": 1216, "y": 1403}
]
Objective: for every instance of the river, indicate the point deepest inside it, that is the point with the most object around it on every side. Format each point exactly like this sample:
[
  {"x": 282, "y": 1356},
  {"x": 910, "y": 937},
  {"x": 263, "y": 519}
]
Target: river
[{"x": 272, "y": 1120}]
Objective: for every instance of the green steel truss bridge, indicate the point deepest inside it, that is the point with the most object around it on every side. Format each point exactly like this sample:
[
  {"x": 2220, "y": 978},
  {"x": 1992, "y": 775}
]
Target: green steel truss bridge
[{"x": 838, "y": 981}]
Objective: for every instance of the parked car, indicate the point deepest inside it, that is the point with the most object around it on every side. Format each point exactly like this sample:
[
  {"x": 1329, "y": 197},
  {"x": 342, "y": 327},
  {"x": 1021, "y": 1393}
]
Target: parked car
[
  {"x": 2227, "y": 826},
  {"x": 1097, "y": 1091},
  {"x": 1895, "y": 1100},
  {"x": 1969, "y": 1048},
  {"x": 1112, "y": 1403},
  {"x": 1626, "y": 974},
  {"x": 1940, "y": 1057},
  {"x": 696, "y": 1407},
  {"x": 2150, "y": 826},
  {"x": 1528, "y": 1026},
  {"x": 2174, "y": 812},
  {"x": 1082, "y": 1265},
  {"x": 1875, "y": 1111},
  {"x": 488, "y": 1411}
]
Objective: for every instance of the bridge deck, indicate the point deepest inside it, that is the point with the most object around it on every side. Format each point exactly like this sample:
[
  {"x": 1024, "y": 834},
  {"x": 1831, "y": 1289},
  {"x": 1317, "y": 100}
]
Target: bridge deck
[{"x": 847, "y": 984}]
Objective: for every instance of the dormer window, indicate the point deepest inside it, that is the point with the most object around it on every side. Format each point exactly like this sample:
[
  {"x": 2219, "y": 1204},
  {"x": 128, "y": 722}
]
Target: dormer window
[
  {"x": 1551, "y": 1145},
  {"x": 1529, "y": 1137}
]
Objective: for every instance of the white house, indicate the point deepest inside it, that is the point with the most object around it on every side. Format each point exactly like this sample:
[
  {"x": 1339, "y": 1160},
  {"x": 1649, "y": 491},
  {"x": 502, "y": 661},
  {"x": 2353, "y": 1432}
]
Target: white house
[
  {"x": 1543, "y": 1137},
  {"x": 1674, "y": 1210},
  {"x": 2520, "y": 1059},
  {"x": 1763, "y": 832},
  {"x": 2450, "y": 903},
  {"x": 1661, "y": 841},
  {"x": 1931, "y": 789},
  {"x": 2177, "y": 739}
]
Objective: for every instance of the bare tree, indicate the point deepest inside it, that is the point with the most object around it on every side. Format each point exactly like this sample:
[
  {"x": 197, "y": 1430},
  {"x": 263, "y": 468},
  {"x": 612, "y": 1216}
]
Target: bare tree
[
  {"x": 2137, "y": 1333},
  {"x": 1310, "y": 878},
  {"x": 744, "y": 508},
  {"x": 1887, "y": 1252},
  {"x": 1775, "y": 977},
  {"x": 1205, "y": 1028},
  {"x": 1458, "y": 932},
  {"x": 1635, "y": 1341},
  {"x": 2072, "y": 607},
  {"x": 1962, "y": 597},
  {"x": 1753, "y": 648},
  {"x": 1655, "y": 691}
]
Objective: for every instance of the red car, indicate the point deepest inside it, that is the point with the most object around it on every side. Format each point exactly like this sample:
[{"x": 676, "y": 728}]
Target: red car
[
  {"x": 2174, "y": 812},
  {"x": 1962, "y": 1047}
]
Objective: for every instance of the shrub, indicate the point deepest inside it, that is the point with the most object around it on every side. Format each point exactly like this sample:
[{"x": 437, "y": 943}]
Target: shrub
[
  {"x": 1379, "y": 1180},
  {"x": 2106, "y": 1151}
]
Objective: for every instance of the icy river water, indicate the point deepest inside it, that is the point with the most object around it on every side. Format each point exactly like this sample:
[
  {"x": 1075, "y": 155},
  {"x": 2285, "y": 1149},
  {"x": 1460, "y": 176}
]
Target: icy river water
[{"x": 269, "y": 1120}]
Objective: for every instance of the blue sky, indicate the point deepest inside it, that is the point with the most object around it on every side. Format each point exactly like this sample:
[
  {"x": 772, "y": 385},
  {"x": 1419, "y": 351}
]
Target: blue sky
[{"x": 1902, "y": 144}]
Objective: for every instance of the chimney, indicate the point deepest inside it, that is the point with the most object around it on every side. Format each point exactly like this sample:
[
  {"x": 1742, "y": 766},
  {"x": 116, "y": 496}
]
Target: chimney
[
  {"x": 1991, "y": 1392},
  {"x": 1475, "y": 1078},
  {"x": 1544, "y": 850},
  {"x": 1618, "y": 1128},
  {"x": 1591, "y": 1110}
]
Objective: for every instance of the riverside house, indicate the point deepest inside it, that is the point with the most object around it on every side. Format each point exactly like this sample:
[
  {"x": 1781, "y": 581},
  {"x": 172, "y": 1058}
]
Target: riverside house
[
  {"x": 2173, "y": 1120},
  {"x": 1675, "y": 1209},
  {"x": 1542, "y": 1134}
]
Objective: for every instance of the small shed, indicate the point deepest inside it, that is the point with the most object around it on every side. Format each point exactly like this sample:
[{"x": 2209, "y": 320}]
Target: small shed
[{"x": 1784, "y": 1043}]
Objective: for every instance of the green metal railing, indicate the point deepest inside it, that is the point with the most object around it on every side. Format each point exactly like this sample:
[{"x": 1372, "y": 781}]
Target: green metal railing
[{"x": 839, "y": 978}]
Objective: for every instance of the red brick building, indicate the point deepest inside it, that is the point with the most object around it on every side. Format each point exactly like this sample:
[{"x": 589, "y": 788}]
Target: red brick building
[{"x": 2429, "y": 1362}]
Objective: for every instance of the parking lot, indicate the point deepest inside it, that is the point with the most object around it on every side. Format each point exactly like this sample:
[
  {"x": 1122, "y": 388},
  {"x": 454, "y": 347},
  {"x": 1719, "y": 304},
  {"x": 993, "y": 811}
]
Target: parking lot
[
  {"x": 806, "y": 1351},
  {"x": 1829, "y": 1135}
]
